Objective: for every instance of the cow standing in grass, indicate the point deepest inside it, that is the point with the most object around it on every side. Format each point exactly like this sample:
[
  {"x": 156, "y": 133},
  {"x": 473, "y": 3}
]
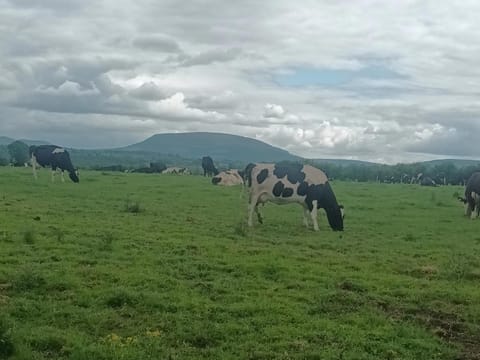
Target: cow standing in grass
[
  {"x": 209, "y": 168},
  {"x": 472, "y": 196},
  {"x": 54, "y": 156},
  {"x": 293, "y": 183}
]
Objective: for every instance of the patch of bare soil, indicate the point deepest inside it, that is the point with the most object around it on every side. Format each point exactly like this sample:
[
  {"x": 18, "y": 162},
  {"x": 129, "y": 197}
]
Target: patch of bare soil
[{"x": 449, "y": 327}]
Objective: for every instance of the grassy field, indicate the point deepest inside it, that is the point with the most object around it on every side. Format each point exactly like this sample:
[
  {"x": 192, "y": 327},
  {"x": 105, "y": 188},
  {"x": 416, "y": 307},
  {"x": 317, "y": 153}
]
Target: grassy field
[{"x": 136, "y": 266}]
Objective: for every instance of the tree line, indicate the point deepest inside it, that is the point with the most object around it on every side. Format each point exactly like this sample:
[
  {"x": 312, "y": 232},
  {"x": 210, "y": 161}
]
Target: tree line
[{"x": 442, "y": 173}]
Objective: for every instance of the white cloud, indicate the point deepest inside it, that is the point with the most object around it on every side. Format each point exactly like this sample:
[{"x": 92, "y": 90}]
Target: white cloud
[{"x": 273, "y": 111}]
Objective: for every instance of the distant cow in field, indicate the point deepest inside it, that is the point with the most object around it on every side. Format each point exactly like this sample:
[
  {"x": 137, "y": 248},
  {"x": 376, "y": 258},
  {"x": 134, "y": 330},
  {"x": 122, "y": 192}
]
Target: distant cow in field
[
  {"x": 153, "y": 168},
  {"x": 427, "y": 181},
  {"x": 228, "y": 178},
  {"x": 296, "y": 183},
  {"x": 54, "y": 156},
  {"x": 209, "y": 168},
  {"x": 176, "y": 170},
  {"x": 472, "y": 196}
]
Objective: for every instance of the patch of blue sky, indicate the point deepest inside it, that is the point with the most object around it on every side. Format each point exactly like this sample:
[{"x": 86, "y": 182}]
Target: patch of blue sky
[{"x": 308, "y": 76}]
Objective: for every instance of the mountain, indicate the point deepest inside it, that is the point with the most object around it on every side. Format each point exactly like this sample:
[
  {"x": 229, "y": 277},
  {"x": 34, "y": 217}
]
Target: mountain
[
  {"x": 4, "y": 140},
  {"x": 219, "y": 146}
]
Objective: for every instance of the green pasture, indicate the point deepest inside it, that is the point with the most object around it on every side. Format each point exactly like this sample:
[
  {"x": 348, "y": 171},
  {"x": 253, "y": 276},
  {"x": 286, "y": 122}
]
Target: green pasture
[{"x": 140, "y": 266}]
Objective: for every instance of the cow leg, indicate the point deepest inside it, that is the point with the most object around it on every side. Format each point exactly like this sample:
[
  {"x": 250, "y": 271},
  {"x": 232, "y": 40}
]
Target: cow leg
[
  {"x": 63, "y": 178},
  {"x": 468, "y": 209},
  {"x": 259, "y": 216},
  {"x": 53, "y": 174},
  {"x": 305, "y": 216},
  {"x": 313, "y": 214},
  {"x": 253, "y": 206},
  {"x": 34, "y": 166},
  {"x": 475, "y": 211}
]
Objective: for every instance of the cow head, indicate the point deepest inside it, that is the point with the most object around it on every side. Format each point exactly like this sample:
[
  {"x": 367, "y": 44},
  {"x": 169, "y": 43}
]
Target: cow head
[
  {"x": 335, "y": 217},
  {"x": 216, "y": 180},
  {"x": 74, "y": 176}
]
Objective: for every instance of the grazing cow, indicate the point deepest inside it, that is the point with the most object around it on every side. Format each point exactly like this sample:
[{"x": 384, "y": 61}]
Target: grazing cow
[
  {"x": 176, "y": 170},
  {"x": 472, "y": 196},
  {"x": 208, "y": 168},
  {"x": 54, "y": 156},
  {"x": 427, "y": 181},
  {"x": 228, "y": 178},
  {"x": 154, "y": 168},
  {"x": 297, "y": 183}
]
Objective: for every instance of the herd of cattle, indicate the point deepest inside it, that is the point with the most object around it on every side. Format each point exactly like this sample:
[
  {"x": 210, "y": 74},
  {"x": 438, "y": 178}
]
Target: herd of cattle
[{"x": 277, "y": 183}]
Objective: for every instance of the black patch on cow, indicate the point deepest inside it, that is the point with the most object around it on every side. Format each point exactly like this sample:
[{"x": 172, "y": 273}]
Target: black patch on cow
[
  {"x": 209, "y": 168},
  {"x": 302, "y": 189},
  {"x": 292, "y": 171},
  {"x": 262, "y": 176},
  {"x": 287, "y": 192},
  {"x": 278, "y": 189},
  {"x": 325, "y": 198},
  {"x": 247, "y": 174},
  {"x": 473, "y": 185},
  {"x": 216, "y": 180}
]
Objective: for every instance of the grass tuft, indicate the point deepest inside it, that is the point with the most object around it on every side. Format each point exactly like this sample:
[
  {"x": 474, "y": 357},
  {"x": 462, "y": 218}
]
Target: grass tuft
[
  {"x": 106, "y": 241},
  {"x": 132, "y": 206},
  {"x": 27, "y": 280},
  {"x": 29, "y": 236},
  {"x": 120, "y": 298},
  {"x": 7, "y": 348}
]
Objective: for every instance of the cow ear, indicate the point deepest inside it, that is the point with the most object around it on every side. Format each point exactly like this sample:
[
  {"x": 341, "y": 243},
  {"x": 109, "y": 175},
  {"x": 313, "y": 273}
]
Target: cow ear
[{"x": 340, "y": 206}]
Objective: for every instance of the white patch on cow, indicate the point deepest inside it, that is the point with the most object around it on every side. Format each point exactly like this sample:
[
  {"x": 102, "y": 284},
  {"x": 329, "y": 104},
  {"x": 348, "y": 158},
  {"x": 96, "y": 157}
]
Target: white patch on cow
[{"x": 58, "y": 151}]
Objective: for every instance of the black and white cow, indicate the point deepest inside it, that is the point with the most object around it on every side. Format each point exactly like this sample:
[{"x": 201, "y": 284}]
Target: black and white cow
[
  {"x": 472, "y": 196},
  {"x": 176, "y": 170},
  {"x": 54, "y": 156},
  {"x": 209, "y": 168},
  {"x": 228, "y": 178},
  {"x": 297, "y": 183},
  {"x": 427, "y": 181}
]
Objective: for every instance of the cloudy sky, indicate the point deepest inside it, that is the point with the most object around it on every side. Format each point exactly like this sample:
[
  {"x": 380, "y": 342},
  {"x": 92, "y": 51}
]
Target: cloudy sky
[{"x": 385, "y": 81}]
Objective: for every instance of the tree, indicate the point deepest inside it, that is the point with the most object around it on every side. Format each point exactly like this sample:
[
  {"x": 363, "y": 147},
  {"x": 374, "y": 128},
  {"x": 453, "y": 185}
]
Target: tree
[{"x": 19, "y": 153}]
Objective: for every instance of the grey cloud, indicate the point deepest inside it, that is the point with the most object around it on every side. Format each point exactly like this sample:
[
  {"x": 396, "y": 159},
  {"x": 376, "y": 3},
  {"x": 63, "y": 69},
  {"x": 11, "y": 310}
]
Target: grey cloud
[
  {"x": 227, "y": 100},
  {"x": 450, "y": 143},
  {"x": 157, "y": 42},
  {"x": 55, "y": 5},
  {"x": 213, "y": 56}
]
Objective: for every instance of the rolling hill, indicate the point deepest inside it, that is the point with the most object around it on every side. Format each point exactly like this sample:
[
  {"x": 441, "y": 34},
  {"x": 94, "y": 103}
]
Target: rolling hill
[
  {"x": 5, "y": 140},
  {"x": 218, "y": 146}
]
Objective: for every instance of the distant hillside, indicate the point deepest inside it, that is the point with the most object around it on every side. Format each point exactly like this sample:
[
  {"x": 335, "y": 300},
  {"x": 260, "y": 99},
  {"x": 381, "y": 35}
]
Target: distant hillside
[
  {"x": 459, "y": 163},
  {"x": 4, "y": 140},
  {"x": 343, "y": 162},
  {"x": 218, "y": 146}
]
